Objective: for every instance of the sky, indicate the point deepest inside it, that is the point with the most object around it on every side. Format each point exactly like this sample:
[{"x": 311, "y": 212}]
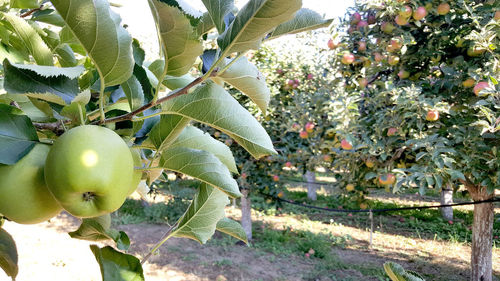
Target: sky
[{"x": 136, "y": 14}]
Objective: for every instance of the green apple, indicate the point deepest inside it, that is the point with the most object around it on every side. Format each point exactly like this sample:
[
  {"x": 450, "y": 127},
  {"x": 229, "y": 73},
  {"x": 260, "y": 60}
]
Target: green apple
[
  {"x": 24, "y": 197},
  {"x": 137, "y": 175},
  {"x": 90, "y": 171}
]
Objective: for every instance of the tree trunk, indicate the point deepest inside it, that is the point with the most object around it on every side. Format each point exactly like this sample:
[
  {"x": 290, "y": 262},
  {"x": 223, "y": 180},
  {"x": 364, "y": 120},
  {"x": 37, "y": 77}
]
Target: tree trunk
[
  {"x": 310, "y": 178},
  {"x": 446, "y": 199},
  {"x": 246, "y": 213},
  {"x": 482, "y": 235}
]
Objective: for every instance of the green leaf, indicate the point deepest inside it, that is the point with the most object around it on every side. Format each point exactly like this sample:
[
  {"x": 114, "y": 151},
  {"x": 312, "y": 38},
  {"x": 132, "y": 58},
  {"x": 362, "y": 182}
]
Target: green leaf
[
  {"x": 40, "y": 79},
  {"x": 30, "y": 38},
  {"x": 217, "y": 10},
  {"x": 24, "y": 4},
  {"x": 456, "y": 175},
  {"x": 17, "y": 135},
  {"x": 98, "y": 229},
  {"x": 65, "y": 55},
  {"x": 166, "y": 131},
  {"x": 212, "y": 105},
  {"x": 201, "y": 165},
  {"x": 200, "y": 220},
  {"x": 49, "y": 16},
  {"x": 254, "y": 21},
  {"x": 192, "y": 137},
  {"x": 8, "y": 254},
  {"x": 233, "y": 228},
  {"x": 99, "y": 31},
  {"x": 245, "y": 76},
  {"x": 304, "y": 20},
  {"x": 179, "y": 39},
  {"x": 117, "y": 266},
  {"x": 205, "y": 25},
  {"x": 133, "y": 90}
]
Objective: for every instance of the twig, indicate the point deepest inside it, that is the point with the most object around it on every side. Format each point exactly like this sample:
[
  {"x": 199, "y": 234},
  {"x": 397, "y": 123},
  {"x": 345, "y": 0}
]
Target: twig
[
  {"x": 30, "y": 12},
  {"x": 158, "y": 245},
  {"x": 129, "y": 116},
  {"x": 376, "y": 76},
  {"x": 56, "y": 127}
]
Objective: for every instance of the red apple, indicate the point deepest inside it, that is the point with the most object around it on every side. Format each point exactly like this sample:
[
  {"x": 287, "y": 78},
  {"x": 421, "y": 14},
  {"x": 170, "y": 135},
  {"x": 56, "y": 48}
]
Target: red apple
[
  {"x": 371, "y": 19},
  {"x": 403, "y": 74},
  {"x": 332, "y": 44},
  {"x": 361, "y": 24},
  {"x": 363, "y": 82},
  {"x": 361, "y": 46},
  {"x": 378, "y": 57},
  {"x": 290, "y": 82},
  {"x": 309, "y": 127},
  {"x": 279, "y": 71},
  {"x": 288, "y": 164},
  {"x": 345, "y": 144},
  {"x": 387, "y": 179},
  {"x": 310, "y": 76},
  {"x": 480, "y": 86},
  {"x": 401, "y": 20},
  {"x": 420, "y": 13},
  {"x": 303, "y": 135},
  {"x": 356, "y": 17},
  {"x": 348, "y": 58},
  {"x": 244, "y": 175},
  {"x": 432, "y": 115},
  {"x": 327, "y": 158},
  {"x": 497, "y": 15},
  {"x": 392, "y": 131},
  {"x": 276, "y": 178},
  {"x": 443, "y": 9}
]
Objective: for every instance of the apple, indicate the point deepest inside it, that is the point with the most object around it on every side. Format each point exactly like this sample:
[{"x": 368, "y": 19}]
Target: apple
[
  {"x": 136, "y": 178},
  {"x": 288, "y": 164},
  {"x": 345, "y": 144},
  {"x": 361, "y": 46},
  {"x": 497, "y": 15},
  {"x": 387, "y": 27},
  {"x": 327, "y": 158},
  {"x": 363, "y": 82},
  {"x": 310, "y": 76},
  {"x": 475, "y": 51},
  {"x": 303, "y": 135},
  {"x": 309, "y": 127},
  {"x": 378, "y": 57},
  {"x": 349, "y": 187},
  {"x": 356, "y": 17},
  {"x": 244, "y": 175},
  {"x": 392, "y": 131},
  {"x": 371, "y": 19},
  {"x": 363, "y": 206},
  {"x": 280, "y": 194},
  {"x": 279, "y": 71},
  {"x": 432, "y": 115},
  {"x": 403, "y": 74},
  {"x": 369, "y": 163},
  {"x": 361, "y": 24},
  {"x": 25, "y": 198},
  {"x": 401, "y": 20},
  {"x": 387, "y": 179},
  {"x": 405, "y": 12},
  {"x": 419, "y": 13},
  {"x": 469, "y": 83},
  {"x": 89, "y": 170},
  {"x": 396, "y": 43},
  {"x": 393, "y": 60},
  {"x": 348, "y": 58},
  {"x": 290, "y": 82},
  {"x": 443, "y": 9},
  {"x": 332, "y": 45},
  {"x": 295, "y": 126},
  {"x": 276, "y": 178},
  {"x": 480, "y": 86}
]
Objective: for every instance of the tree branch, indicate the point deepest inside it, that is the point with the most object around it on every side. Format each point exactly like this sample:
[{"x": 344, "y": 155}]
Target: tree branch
[
  {"x": 376, "y": 76},
  {"x": 56, "y": 127},
  {"x": 129, "y": 116},
  {"x": 30, "y": 12}
]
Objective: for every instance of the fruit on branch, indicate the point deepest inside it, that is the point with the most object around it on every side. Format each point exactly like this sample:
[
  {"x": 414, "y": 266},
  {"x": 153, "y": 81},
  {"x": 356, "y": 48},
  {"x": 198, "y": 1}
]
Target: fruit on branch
[
  {"x": 309, "y": 127},
  {"x": 432, "y": 115},
  {"x": 443, "y": 9},
  {"x": 497, "y": 15},
  {"x": 480, "y": 86},
  {"x": 392, "y": 131},
  {"x": 371, "y": 19},
  {"x": 403, "y": 74},
  {"x": 475, "y": 51},
  {"x": 24, "y": 195},
  {"x": 361, "y": 24},
  {"x": 136, "y": 178},
  {"x": 332, "y": 44},
  {"x": 393, "y": 60},
  {"x": 405, "y": 12},
  {"x": 356, "y": 18},
  {"x": 349, "y": 187},
  {"x": 378, "y": 57},
  {"x": 387, "y": 179},
  {"x": 327, "y": 158},
  {"x": 345, "y": 144},
  {"x": 303, "y": 135},
  {"x": 469, "y": 83},
  {"x": 288, "y": 164},
  {"x": 89, "y": 170},
  {"x": 370, "y": 163},
  {"x": 363, "y": 82},
  {"x": 361, "y": 46},
  {"x": 281, "y": 194},
  {"x": 419, "y": 13},
  {"x": 276, "y": 178},
  {"x": 387, "y": 27},
  {"x": 347, "y": 58},
  {"x": 399, "y": 20}
]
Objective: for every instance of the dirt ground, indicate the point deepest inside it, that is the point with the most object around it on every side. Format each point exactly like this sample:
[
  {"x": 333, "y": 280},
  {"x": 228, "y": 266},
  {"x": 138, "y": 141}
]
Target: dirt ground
[{"x": 46, "y": 252}]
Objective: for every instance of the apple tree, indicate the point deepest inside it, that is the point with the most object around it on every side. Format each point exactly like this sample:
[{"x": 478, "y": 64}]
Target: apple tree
[
  {"x": 426, "y": 74},
  {"x": 85, "y": 119}
]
